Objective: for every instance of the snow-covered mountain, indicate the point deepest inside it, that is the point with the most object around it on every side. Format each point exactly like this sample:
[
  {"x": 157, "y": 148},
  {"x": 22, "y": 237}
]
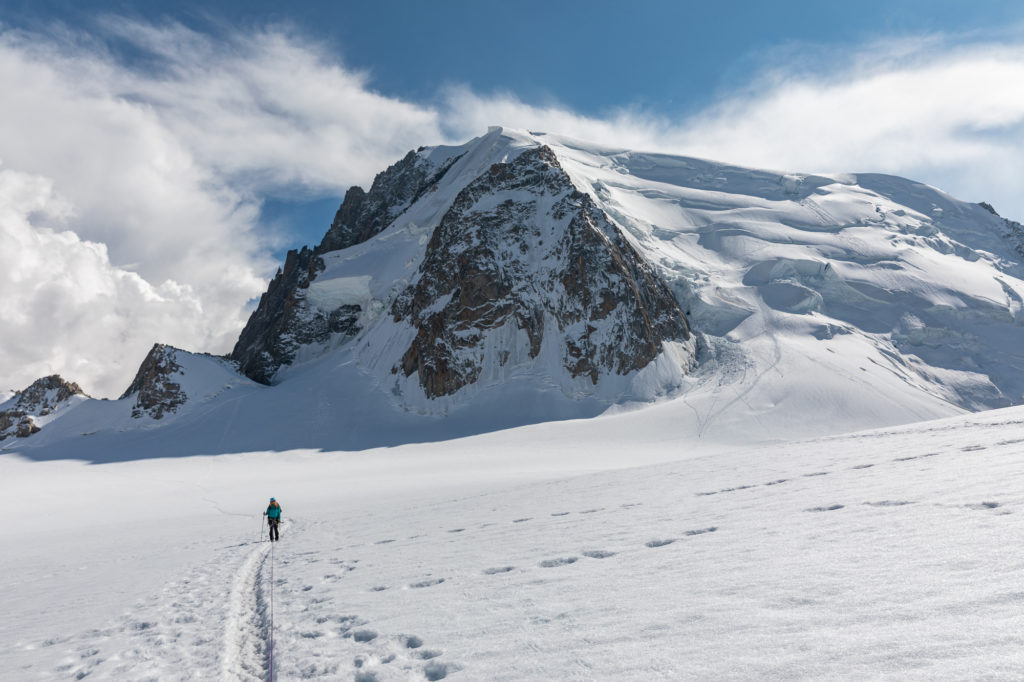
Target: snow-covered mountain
[
  {"x": 526, "y": 277},
  {"x": 27, "y": 411}
]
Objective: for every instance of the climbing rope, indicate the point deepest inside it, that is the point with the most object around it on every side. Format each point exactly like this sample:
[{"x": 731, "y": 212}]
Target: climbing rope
[{"x": 271, "y": 612}]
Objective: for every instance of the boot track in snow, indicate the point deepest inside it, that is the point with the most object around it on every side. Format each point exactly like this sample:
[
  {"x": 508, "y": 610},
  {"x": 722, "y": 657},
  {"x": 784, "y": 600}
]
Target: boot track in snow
[{"x": 247, "y": 650}]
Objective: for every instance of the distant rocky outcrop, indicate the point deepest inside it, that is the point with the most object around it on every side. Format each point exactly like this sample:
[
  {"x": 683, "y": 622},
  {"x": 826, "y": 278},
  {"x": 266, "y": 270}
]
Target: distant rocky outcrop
[
  {"x": 522, "y": 250},
  {"x": 44, "y": 397},
  {"x": 155, "y": 387},
  {"x": 1014, "y": 230}
]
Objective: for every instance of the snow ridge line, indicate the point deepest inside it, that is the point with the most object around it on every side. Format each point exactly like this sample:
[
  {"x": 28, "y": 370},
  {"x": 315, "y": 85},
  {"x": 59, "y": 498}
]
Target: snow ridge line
[{"x": 245, "y": 656}]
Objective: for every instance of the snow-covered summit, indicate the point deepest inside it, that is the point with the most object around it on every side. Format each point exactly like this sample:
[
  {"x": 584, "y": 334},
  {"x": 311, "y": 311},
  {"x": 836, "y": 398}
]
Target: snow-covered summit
[
  {"x": 465, "y": 268},
  {"x": 526, "y": 277}
]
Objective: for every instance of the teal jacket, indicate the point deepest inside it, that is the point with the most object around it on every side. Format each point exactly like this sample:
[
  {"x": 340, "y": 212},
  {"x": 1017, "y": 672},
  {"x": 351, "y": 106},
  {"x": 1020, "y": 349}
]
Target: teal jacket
[{"x": 274, "y": 512}]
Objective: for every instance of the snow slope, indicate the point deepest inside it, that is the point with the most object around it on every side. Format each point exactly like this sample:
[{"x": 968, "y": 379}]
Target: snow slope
[
  {"x": 882, "y": 554},
  {"x": 821, "y": 304}
]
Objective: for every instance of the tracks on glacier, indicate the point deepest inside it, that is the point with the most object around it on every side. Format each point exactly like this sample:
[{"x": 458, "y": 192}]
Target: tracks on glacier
[{"x": 248, "y": 636}]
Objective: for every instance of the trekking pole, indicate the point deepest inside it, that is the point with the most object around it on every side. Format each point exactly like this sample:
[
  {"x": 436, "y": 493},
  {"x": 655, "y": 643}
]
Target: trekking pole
[{"x": 262, "y": 519}]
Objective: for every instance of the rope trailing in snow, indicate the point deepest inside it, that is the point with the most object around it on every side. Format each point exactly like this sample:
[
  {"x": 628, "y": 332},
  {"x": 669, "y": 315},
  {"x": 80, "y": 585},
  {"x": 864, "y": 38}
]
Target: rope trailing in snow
[{"x": 271, "y": 612}]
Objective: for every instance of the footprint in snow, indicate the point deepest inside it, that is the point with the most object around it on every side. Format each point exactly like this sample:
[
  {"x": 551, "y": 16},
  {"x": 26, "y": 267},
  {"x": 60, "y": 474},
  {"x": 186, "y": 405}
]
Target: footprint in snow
[
  {"x": 905, "y": 459},
  {"x": 972, "y": 448},
  {"x": 824, "y": 509},
  {"x": 346, "y": 623},
  {"x": 560, "y": 514},
  {"x": 661, "y": 543},
  {"x": 816, "y": 473},
  {"x": 563, "y": 561},
  {"x": 983, "y": 506},
  {"x": 383, "y": 542},
  {"x": 411, "y": 641},
  {"x": 427, "y": 583},
  {"x": 522, "y": 520},
  {"x": 889, "y": 503},
  {"x": 591, "y": 511},
  {"x": 427, "y": 654},
  {"x": 598, "y": 554},
  {"x": 701, "y": 531},
  {"x": 435, "y": 670},
  {"x": 456, "y": 530},
  {"x": 863, "y": 466},
  {"x": 498, "y": 569},
  {"x": 364, "y": 635},
  {"x": 378, "y": 588},
  {"x": 778, "y": 482}
]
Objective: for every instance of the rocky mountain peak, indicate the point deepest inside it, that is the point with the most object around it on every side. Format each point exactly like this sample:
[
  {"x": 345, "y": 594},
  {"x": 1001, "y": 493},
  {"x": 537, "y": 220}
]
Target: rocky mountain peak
[
  {"x": 155, "y": 387},
  {"x": 44, "y": 397}
]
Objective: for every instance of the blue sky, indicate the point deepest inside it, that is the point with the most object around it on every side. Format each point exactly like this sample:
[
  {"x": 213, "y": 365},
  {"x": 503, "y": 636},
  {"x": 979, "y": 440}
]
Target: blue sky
[
  {"x": 157, "y": 159},
  {"x": 590, "y": 55}
]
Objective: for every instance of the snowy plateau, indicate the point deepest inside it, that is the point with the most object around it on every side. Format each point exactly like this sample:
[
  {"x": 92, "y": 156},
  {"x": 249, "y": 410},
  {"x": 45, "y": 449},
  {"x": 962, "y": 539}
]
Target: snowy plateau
[{"x": 537, "y": 409}]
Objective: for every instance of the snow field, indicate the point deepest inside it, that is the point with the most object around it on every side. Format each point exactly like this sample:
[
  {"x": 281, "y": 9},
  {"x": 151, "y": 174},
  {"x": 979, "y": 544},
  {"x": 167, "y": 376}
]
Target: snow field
[{"x": 885, "y": 555}]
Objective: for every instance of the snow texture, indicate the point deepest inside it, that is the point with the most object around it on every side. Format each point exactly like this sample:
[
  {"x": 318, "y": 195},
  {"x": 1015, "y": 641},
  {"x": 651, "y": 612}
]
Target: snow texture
[{"x": 880, "y": 554}]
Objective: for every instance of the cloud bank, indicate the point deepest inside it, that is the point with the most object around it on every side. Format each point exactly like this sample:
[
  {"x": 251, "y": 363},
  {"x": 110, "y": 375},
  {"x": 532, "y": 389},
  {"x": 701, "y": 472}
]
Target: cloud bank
[{"x": 130, "y": 188}]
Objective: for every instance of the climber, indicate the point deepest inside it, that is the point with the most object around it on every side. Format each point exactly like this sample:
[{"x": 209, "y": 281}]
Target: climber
[{"x": 273, "y": 515}]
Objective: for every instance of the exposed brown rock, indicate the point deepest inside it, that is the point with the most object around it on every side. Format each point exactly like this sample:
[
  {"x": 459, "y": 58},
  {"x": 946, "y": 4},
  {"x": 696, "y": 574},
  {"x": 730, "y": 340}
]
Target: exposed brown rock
[
  {"x": 489, "y": 264},
  {"x": 154, "y": 387},
  {"x": 42, "y": 398}
]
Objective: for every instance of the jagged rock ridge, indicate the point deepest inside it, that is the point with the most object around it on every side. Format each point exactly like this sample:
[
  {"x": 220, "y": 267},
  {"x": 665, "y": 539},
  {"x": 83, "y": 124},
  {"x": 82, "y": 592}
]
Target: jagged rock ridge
[
  {"x": 362, "y": 214},
  {"x": 283, "y": 322}
]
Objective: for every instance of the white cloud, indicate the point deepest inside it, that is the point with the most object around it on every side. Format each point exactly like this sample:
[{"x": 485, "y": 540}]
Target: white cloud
[
  {"x": 150, "y": 170},
  {"x": 66, "y": 309},
  {"x": 952, "y": 117},
  {"x": 163, "y": 167}
]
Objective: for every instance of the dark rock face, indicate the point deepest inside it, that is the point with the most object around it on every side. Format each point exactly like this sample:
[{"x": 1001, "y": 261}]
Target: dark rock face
[
  {"x": 362, "y": 214},
  {"x": 154, "y": 387},
  {"x": 42, "y": 398},
  {"x": 1015, "y": 232},
  {"x": 522, "y": 247},
  {"x": 282, "y": 321}
]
